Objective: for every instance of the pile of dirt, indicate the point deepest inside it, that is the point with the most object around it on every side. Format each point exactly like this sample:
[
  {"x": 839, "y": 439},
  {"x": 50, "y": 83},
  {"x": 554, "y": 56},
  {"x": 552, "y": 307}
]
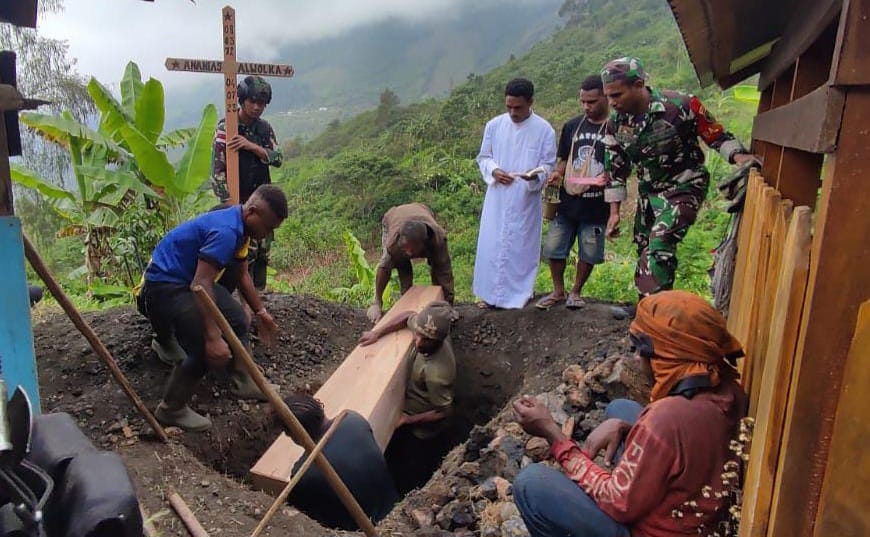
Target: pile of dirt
[{"x": 500, "y": 354}]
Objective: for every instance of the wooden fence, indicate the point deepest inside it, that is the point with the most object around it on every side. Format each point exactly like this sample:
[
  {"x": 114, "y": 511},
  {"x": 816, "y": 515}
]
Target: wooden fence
[{"x": 770, "y": 281}]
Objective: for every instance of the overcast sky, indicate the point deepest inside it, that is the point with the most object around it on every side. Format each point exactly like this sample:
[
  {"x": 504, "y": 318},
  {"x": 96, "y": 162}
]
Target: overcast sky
[{"x": 105, "y": 34}]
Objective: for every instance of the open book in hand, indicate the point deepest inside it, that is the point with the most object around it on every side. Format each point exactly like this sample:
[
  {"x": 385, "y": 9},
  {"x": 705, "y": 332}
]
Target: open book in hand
[{"x": 531, "y": 174}]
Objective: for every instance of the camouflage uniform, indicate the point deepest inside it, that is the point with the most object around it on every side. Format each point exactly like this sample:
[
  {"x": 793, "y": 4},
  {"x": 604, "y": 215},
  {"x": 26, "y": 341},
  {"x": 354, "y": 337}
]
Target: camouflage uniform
[
  {"x": 662, "y": 144},
  {"x": 253, "y": 172}
]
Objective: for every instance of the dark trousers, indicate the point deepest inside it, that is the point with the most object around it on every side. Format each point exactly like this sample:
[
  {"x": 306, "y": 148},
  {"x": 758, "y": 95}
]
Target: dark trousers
[
  {"x": 554, "y": 506},
  {"x": 172, "y": 308}
]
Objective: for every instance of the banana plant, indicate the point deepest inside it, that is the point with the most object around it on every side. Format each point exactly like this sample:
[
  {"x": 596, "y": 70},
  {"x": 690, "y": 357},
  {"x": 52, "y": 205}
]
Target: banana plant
[
  {"x": 104, "y": 183},
  {"x": 136, "y": 124}
]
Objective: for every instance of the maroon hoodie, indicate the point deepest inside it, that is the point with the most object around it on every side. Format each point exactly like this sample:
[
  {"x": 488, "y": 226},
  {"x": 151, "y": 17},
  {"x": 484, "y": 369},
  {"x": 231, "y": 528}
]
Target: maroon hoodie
[{"x": 678, "y": 447}]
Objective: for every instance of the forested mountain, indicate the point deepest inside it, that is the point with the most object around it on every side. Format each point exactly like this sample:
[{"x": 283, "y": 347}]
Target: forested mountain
[
  {"x": 340, "y": 76},
  {"x": 348, "y": 176}
]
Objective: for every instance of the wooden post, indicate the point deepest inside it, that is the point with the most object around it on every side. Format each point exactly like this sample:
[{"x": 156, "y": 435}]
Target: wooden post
[
  {"x": 186, "y": 515},
  {"x": 99, "y": 349},
  {"x": 299, "y": 473},
  {"x": 230, "y": 67},
  {"x": 231, "y": 106},
  {"x": 300, "y": 435}
]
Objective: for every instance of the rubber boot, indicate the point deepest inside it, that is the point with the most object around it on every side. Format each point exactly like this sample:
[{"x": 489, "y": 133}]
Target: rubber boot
[
  {"x": 173, "y": 410},
  {"x": 169, "y": 353},
  {"x": 243, "y": 386}
]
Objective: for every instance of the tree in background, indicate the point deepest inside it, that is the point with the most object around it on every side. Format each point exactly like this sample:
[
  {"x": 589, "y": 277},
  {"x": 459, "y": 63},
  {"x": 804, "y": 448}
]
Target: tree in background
[{"x": 45, "y": 71}]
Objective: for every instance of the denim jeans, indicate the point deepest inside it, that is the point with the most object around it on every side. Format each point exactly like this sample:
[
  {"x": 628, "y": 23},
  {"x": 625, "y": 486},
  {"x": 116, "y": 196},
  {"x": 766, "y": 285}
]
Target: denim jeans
[{"x": 554, "y": 506}]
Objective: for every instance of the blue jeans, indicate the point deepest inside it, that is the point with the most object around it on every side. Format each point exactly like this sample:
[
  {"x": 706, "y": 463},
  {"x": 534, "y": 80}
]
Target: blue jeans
[
  {"x": 554, "y": 506},
  {"x": 561, "y": 235}
]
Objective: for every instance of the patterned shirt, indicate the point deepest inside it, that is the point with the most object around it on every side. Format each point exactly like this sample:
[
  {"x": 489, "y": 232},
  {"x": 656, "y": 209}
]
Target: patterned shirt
[
  {"x": 251, "y": 168},
  {"x": 662, "y": 143}
]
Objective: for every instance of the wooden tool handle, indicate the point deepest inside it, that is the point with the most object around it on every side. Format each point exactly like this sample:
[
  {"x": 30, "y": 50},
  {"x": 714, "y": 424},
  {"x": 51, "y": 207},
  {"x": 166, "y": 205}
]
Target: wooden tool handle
[{"x": 297, "y": 432}]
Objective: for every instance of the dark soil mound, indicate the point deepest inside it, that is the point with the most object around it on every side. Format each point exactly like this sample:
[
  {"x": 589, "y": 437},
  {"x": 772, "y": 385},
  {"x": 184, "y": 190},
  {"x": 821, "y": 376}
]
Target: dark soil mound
[{"x": 499, "y": 354}]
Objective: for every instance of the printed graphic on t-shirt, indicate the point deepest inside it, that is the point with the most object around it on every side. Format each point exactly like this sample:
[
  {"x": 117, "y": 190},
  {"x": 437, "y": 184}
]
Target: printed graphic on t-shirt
[{"x": 584, "y": 153}]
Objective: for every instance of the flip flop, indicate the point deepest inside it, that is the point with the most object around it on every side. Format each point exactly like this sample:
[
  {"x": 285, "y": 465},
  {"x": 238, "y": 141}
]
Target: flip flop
[
  {"x": 485, "y": 305},
  {"x": 548, "y": 302},
  {"x": 574, "y": 302}
]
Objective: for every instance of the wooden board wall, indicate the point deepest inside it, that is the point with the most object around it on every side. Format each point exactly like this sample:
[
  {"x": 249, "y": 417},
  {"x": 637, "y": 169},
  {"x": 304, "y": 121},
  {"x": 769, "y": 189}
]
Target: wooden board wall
[{"x": 843, "y": 509}]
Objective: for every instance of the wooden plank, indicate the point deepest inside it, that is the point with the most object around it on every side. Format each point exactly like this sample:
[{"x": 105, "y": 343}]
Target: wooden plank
[
  {"x": 191, "y": 65},
  {"x": 760, "y": 256},
  {"x": 800, "y": 33},
  {"x": 851, "y": 65},
  {"x": 780, "y": 217},
  {"x": 735, "y": 308},
  {"x": 838, "y": 285},
  {"x": 845, "y": 495},
  {"x": 810, "y": 123},
  {"x": 370, "y": 381},
  {"x": 770, "y": 413}
]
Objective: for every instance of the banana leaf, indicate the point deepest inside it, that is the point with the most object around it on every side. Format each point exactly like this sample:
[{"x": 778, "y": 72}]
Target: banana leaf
[
  {"x": 131, "y": 88},
  {"x": 150, "y": 111},
  {"x": 195, "y": 165}
]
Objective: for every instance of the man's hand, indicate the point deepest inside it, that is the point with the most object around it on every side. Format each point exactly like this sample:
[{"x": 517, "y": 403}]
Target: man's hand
[
  {"x": 606, "y": 436},
  {"x": 267, "y": 327},
  {"x": 217, "y": 353},
  {"x": 555, "y": 178},
  {"x": 502, "y": 177},
  {"x": 239, "y": 143},
  {"x": 535, "y": 419},
  {"x": 742, "y": 158},
  {"x": 600, "y": 180},
  {"x": 369, "y": 337},
  {"x": 374, "y": 313},
  {"x": 612, "y": 229}
]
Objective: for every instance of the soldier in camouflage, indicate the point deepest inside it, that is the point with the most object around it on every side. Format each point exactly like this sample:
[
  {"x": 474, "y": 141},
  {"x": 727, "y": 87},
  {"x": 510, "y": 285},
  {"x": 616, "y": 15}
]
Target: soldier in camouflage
[
  {"x": 656, "y": 132},
  {"x": 257, "y": 150}
]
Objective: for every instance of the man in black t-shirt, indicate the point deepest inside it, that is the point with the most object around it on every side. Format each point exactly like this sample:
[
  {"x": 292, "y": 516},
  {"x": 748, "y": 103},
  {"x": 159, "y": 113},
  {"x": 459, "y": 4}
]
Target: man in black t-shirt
[
  {"x": 582, "y": 212},
  {"x": 357, "y": 460}
]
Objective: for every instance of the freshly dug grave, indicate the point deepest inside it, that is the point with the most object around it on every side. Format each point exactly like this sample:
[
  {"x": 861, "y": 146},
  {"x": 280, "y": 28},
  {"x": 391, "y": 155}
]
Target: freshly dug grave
[{"x": 500, "y": 354}]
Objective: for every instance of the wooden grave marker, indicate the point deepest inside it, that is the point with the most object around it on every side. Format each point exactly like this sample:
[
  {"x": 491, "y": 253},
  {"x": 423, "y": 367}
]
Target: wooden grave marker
[{"x": 230, "y": 67}]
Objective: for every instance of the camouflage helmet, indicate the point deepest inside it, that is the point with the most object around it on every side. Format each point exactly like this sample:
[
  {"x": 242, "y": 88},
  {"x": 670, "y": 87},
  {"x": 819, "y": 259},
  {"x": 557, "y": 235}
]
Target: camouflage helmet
[{"x": 256, "y": 88}]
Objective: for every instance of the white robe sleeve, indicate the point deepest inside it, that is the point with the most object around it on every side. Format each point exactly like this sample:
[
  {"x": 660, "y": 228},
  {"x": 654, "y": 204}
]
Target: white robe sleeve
[
  {"x": 484, "y": 159},
  {"x": 547, "y": 159}
]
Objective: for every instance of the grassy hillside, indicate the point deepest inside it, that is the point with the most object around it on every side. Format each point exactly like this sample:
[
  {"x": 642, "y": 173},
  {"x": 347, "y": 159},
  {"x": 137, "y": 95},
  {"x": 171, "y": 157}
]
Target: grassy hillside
[{"x": 348, "y": 176}]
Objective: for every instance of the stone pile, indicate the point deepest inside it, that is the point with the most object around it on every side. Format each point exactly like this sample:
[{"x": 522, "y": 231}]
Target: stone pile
[{"x": 471, "y": 493}]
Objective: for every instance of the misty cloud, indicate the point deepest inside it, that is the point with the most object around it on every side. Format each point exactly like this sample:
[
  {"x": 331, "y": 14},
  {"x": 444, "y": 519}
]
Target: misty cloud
[{"x": 105, "y": 34}]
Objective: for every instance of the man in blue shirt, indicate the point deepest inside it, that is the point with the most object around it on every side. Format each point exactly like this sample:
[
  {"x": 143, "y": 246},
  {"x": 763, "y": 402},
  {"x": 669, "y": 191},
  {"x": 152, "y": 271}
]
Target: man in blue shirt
[{"x": 196, "y": 253}]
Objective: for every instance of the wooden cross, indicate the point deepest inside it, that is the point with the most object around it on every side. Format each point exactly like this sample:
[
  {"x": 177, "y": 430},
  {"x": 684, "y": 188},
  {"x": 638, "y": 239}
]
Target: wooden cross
[{"x": 230, "y": 68}]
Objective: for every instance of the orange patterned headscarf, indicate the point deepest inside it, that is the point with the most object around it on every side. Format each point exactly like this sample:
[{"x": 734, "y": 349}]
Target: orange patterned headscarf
[{"x": 689, "y": 337}]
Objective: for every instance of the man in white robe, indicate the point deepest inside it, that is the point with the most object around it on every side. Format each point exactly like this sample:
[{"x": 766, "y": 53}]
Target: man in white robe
[{"x": 509, "y": 242}]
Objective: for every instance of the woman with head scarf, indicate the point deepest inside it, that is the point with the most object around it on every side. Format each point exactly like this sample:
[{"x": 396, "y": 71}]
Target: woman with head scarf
[{"x": 669, "y": 477}]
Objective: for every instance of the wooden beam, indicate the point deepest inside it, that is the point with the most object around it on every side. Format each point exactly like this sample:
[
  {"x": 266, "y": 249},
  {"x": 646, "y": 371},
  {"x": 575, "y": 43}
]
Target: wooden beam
[
  {"x": 782, "y": 340},
  {"x": 845, "y": 495},
  {"x": 780, "y": 96},
  {"x": 810, "y": 123},
  {"x": 851, "y": 65},
  {"x": 838, "y": 284},
  {"x": 809, "y": 19},
  {"x": 799, "y": 176},
  {"x": 370, "y": 381}
]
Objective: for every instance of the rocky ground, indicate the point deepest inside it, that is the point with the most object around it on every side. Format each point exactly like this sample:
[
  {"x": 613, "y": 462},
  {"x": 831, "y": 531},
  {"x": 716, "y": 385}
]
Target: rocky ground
[{"x": 569, "y": 358}]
